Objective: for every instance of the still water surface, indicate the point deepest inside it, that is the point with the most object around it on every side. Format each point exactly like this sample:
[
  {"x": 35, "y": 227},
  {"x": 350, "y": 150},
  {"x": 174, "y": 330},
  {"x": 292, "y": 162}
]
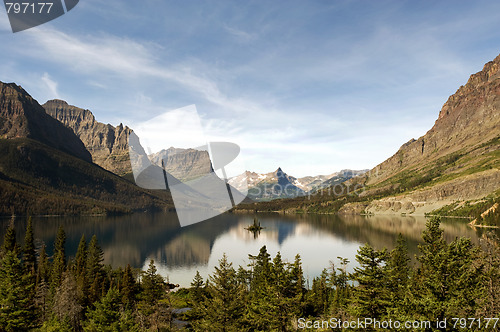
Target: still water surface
[{"x": 180, "y": 252}]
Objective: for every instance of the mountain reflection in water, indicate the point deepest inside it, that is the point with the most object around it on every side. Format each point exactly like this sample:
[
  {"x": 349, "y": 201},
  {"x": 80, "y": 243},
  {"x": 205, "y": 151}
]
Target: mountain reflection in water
[{"x": 180, "y": 252}]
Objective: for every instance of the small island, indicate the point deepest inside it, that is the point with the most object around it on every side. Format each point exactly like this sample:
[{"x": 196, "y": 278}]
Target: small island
[{"x": 255, "y": 227}]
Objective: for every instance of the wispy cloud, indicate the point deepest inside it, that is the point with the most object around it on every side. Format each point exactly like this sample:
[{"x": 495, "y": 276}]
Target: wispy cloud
[
  {"x": 240, "y": 34},
  {"x": 50, "y": 85}
]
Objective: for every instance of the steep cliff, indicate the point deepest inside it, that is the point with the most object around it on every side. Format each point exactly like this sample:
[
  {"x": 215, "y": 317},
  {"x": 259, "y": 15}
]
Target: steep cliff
[
  {"x": 22, "y": 117},
  {"x": 469, "y": 118},
  {"x": 458, "y": 159},
  {"x": 107, "y": 144}
]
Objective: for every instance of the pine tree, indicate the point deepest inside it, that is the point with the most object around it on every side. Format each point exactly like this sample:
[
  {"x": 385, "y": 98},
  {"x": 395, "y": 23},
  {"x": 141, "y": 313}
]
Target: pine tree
[
  {"x": 94, "y": 274},
  {"x": 42, "y": 286},
  {"x": 371, "y": 297},
  {"x": 81, "y": 272},
  {"x": 152, "y": 284},
  {"x": 29, "y": 254},
  {"x": 197, "y": 288},
  {"x": 296, "y": 289},
  {"x": 448, "y": 282},
  {"x": 59, "y": 260},
  {"x": 109, "y": 316},
  {"x": 399, "y": 271},
  {"x": 319, "y": 297},
  {"x": 128, "y": 287},
  {"x": 43, "y": 266},
  {"x": 224, "y": 307},
  {"x": 16, "y": 289},
  {"x": 9, "y": 240}
]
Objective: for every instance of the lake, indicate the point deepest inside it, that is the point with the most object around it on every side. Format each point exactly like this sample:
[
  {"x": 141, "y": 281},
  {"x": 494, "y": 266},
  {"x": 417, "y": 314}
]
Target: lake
[{"x": 180, "y": 252}]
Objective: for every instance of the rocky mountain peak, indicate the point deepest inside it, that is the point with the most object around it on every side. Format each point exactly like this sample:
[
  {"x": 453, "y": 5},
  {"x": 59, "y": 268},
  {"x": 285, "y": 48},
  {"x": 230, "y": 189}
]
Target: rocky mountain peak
[
  {"x": 476, "y": 85},
  {"x": 22, "y": 116},
  {"x": 467, "y": 119},
  {"x": 107, "y": 144}
]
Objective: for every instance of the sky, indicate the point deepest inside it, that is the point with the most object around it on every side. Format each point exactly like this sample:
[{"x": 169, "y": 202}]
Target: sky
[{"x": 311, "y": 86}]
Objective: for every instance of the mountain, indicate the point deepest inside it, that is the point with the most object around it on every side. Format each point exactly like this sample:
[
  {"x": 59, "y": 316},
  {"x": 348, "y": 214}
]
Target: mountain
[
  {"x": 45, "y": 168},
  {"x": 107, "y": 144},
  {"x": 184, "y": 164},
  {"x": 458, "y": 159},
  {"x": 454, "y": 169},
  {"x": 337, "y": 178},
  {"x": 278, "y": 184},
  {"x": 22, "y": 117}
]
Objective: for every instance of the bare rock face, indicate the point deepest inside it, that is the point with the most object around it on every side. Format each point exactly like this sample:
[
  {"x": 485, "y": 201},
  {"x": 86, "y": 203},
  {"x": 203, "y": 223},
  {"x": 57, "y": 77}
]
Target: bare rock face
[
  {"x": 183, "y": 164},
  {"x": 22, "y": 116},
  {"x": 469, "y": 118},
  {"x": 107, "y": 144}
]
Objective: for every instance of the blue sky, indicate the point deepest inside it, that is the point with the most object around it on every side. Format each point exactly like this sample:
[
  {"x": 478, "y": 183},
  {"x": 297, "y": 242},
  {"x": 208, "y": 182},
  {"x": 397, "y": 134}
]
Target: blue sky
[{"x": 311, "y": 86}]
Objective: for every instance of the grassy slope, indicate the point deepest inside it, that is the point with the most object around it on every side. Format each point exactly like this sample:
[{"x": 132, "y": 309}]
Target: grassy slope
[{"x": 38, "y": 179}]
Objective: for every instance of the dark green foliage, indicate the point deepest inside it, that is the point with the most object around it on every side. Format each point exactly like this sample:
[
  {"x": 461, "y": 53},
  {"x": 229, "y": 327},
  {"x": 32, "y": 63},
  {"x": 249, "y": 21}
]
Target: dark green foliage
[
  {"x": 371, "y": 295},
  {"x": 128, "y": 287},
  {"x": 197, "y": 288},
  {"x": 29, "y": 255},
  {"x": 59, "y": 259},
  {"x": 223, "y": 308},
  {"x": 9, "y": 240},
  {"x": 17, "y": 310},
  {"x": 108, "y": 315},
  {"x": 153, "y": 285},
  {"x": 448, "y": 282},
  {"x": 94, "y": 276}
]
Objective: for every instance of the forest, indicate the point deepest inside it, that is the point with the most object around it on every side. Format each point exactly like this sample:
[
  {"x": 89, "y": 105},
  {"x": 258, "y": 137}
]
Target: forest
[{"x": 455, "y": 282}]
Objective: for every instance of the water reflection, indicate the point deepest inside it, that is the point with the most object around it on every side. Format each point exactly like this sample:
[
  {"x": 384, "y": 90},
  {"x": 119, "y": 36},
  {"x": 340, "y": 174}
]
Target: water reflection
[{"x": 179, "y": 252}]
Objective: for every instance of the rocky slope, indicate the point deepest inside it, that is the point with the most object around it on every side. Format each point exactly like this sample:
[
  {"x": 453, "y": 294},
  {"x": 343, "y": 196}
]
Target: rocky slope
[
  {"x": 184, "y": 164},
  {"x": 22, "y": 116},
  {"x": 457, "y": 159},
  {"x": 107, "y": 144}
]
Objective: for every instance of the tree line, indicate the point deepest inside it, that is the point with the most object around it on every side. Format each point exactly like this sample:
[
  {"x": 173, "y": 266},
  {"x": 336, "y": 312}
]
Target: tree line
[
  {"x": 42, "y": 293},
  {"x": 449, "y": 280}
]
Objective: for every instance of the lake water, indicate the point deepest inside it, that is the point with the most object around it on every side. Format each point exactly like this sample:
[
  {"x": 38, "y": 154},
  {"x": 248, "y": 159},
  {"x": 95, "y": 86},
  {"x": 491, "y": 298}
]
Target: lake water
[{"x": 180, "y": 252}]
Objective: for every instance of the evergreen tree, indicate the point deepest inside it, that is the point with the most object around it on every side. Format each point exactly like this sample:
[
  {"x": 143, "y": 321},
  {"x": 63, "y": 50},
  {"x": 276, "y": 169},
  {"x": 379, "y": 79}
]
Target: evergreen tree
[
  {"x": 81, "y": 272},
  {"x": 296, "y": 288},
  {"x": 197, "y": 286},
  {"x": 108, "y": 315},
  {"x": 94, "y": 276},
  {"x": 399, "y": 271},
  {"x": 153, "y": 285},
  {"x": 9, "y": 240},
  {"x": 29, "y": 255},
  {"x": 371, "y": 297},
  {"x": 17, "y": 312},
  {"x": 59, "y": 260},
  {"x": 224, "y": 307},
  {"x": 128, "y": 287},
  {"x": 43, "y": 266},
  {"x": 42, "y": 286},
  {"x": 319, "y": 296},
  {"x": 448, "y": 282}
]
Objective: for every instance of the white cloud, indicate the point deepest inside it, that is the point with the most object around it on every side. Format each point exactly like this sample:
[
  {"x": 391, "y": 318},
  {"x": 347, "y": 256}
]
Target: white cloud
[
  {"x": 50, "y": 85},
  {"x": 240, "y": 34}
]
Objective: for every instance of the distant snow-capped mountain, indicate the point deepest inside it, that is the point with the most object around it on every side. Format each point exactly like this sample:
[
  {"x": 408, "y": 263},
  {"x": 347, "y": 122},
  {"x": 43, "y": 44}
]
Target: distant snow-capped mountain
[{"x": 278, "y": 184}]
